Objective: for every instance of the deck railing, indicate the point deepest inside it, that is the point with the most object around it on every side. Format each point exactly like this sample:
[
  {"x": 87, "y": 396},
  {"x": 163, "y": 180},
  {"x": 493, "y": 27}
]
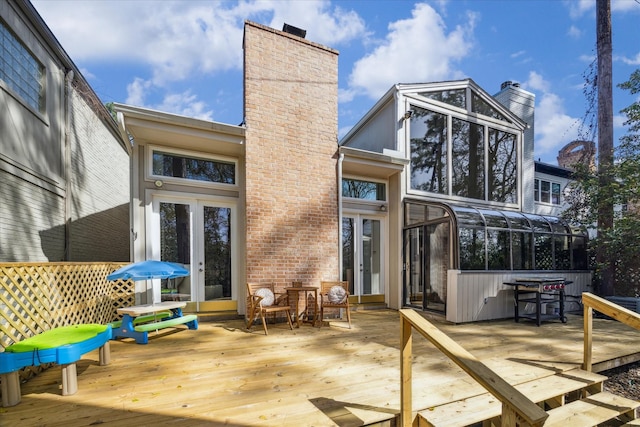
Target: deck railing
[
  {"x": 516, "y": 407},
  {"x": 35, "y": 297},
  {"x": 621, "y": 314}
]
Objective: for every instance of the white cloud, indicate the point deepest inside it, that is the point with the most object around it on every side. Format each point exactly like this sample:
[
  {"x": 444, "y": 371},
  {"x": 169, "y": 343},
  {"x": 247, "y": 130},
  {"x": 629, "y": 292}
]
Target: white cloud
[
  {"x": 537, "y": 83},
  {"x": 185, "y": 104},
  {"x": 323, "y": 25},
  {"x": 624, "y": 6},
  {"x": 178, "y": 39},
  {"x": 574, "y": 32},
  {"x": 579, "y": 8},
  {"x": 554, "y": 128},
  {"x": 137, "y": 92},
  {"x": 631, "y": 61},
  {"x": 417, "y": 49}
]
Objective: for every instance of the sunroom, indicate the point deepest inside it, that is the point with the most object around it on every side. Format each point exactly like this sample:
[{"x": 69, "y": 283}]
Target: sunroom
[
  {"x": 463, "y": 204},
  {"x": 457, "y": 258}
]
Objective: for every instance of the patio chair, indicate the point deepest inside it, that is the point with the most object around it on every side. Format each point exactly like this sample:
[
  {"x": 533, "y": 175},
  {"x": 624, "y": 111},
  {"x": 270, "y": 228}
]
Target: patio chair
[
  {"x": 334, "y": 295},
  {"x": 262, "y": 300}
]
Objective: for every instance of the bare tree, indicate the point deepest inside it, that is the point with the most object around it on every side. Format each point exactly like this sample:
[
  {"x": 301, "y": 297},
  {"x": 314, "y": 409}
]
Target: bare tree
[{"x": 605, "y": 143}]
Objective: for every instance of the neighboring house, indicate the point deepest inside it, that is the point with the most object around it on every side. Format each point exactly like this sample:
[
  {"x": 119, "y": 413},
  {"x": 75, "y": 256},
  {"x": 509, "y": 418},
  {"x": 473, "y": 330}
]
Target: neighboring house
[
  {"x": 427, "y": 202},
  {"x": 64, "y": 168},
  {"x": 550, "y": 189}
]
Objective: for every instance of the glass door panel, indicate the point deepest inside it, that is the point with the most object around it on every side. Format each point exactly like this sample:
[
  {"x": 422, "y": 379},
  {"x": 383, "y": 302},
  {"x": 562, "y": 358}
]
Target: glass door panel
[
  {"x": 413, "y": 267},
  {"x": 371, "y": 262},
  {"x": 437, "y": 263},
  {"x": 217, "y": 253},
  {"x": 348, "y": 252},
  {"x": 175, "y": 246},
  {"x": 426, "y": 258}
]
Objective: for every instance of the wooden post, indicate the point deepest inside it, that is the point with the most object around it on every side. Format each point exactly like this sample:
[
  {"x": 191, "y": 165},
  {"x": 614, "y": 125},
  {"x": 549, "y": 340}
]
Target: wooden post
[
  {"x": 588, "y": 337},
  {"x": 508, "y": 418},
  {"x": 406, "y": 415}
]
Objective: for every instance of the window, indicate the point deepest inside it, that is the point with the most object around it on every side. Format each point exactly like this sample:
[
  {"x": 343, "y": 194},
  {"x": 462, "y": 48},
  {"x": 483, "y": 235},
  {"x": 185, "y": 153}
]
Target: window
[
  {"x": 193, "y": 168},
  {"x": 429, "y": 151},
  {"x": 546, "y": 192},
  {"x": 482, "y": 163},
  {"x": 20, "y": 70},
  {"x": 363, "y": 189},
  {"x": 467, "y": 158}
]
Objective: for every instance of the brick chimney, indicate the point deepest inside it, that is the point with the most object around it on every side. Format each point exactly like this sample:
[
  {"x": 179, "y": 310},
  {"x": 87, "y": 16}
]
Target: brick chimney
[{"x": 291, "y": 114}]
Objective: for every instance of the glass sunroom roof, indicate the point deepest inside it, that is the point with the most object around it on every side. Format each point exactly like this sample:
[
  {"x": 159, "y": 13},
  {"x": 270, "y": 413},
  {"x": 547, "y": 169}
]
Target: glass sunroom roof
[{"x": 476, "y": 217}]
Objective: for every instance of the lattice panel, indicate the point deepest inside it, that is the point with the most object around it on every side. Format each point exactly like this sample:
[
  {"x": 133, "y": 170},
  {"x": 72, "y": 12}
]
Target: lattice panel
[{"x": 37, "y": 297}]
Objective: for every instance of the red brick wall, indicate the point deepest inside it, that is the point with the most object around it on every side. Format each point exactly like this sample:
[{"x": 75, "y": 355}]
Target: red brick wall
[{"x": 291, "y": 114}]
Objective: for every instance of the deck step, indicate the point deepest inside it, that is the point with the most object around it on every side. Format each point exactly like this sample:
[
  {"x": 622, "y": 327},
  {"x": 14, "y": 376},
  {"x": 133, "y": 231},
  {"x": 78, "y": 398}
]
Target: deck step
[
  {"x": 593, "y": 410},
  {"x": 550, "y": 390}
]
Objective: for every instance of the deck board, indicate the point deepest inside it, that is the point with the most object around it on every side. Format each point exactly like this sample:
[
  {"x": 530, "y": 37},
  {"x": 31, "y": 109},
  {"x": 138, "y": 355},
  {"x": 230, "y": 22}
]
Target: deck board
[{"x": 222, "y": 374}]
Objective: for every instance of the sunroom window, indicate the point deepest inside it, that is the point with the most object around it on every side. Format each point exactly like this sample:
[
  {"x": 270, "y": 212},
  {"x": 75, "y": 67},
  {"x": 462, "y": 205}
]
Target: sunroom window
[
  {"x": 482, "y": 162},
  {"x": 506, "y": 240}
]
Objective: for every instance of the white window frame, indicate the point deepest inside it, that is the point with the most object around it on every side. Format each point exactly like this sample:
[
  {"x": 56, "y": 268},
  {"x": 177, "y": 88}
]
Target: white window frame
[
  {"x": 151, "y": 177},
  {"x": 538, "y": 192}
]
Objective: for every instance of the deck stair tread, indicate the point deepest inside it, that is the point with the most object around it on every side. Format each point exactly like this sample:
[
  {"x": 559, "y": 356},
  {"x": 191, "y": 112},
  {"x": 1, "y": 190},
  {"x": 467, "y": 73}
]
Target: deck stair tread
[
  {"x": 635, "y": 422},
  {"x": 592, "y": 410},
  {"x": 550, "y": 389}
]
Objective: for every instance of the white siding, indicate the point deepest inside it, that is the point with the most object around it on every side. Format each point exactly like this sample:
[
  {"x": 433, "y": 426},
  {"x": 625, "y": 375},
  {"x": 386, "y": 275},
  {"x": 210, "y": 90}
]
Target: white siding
[
  {"x": 99, "y": 189},
  {"x": 476, "y": 296},
  {"x": 31, "y": 221},
  {"x": 379, "y": 133}
]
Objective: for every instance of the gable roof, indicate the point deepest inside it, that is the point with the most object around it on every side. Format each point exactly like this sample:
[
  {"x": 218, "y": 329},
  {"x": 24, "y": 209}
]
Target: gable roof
[{"x": 413, "y": 90}]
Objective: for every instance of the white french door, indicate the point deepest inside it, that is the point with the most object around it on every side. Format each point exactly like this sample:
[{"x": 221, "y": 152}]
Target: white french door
[
  {"x": 362, "y": 256},
  {"x": 197, "y": 233}
]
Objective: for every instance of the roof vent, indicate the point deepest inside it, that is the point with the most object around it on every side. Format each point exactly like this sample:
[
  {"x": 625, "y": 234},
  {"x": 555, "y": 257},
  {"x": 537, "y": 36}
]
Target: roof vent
[{"x": 294, "y": 30}]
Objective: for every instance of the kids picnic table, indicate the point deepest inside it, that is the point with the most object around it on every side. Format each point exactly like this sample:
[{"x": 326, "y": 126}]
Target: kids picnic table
[{"x": 138, "y": 320}]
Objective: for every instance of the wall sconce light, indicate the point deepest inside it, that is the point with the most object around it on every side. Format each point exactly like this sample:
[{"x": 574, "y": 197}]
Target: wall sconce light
[
  {"x": 408, "y": 114},
  {"x": 158, "y": 183},
  {"x": 383, "y": 208}
]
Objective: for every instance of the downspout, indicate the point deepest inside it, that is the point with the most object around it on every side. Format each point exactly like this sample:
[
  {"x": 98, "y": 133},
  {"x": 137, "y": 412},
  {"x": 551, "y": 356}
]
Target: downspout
[
  {"x": 67, "y": 164},
  {"x": 340, "y": 159}
]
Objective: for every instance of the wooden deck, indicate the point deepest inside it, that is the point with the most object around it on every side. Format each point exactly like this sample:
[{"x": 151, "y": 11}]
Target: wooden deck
[{"x": 222, "y": 374}]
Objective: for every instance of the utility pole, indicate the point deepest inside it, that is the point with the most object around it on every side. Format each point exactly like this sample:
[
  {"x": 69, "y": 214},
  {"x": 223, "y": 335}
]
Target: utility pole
[{"x": 605, "y": 259}]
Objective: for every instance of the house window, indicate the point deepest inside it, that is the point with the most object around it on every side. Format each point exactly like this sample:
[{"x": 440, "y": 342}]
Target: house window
[
  {"x": 365, "y": 190},
  {"x": 193, "y": 168},
  {"x": 546, "y": 192},
  {"x": 482, "y": 162},
  {"x": 20, "y": 70}
]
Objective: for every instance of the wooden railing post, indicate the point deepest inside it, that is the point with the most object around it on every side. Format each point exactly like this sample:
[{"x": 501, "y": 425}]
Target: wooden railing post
[
  {"x": 406, "y": 417},
  {"x": 588, "y": 337}
]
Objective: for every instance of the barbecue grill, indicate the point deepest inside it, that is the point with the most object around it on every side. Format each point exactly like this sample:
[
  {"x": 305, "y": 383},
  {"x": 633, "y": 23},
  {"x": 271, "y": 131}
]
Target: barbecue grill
[{"x": 532, "y": 290}]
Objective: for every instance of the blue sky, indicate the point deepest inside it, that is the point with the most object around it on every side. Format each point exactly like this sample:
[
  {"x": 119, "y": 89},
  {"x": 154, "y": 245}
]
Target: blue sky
[{"x": 185, "y": 57}]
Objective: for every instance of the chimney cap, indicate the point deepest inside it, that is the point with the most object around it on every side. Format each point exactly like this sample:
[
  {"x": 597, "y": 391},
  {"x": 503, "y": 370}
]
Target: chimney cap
[
  {"x": 508, "y": 83},
  {"x": 294, "y": 30}
]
